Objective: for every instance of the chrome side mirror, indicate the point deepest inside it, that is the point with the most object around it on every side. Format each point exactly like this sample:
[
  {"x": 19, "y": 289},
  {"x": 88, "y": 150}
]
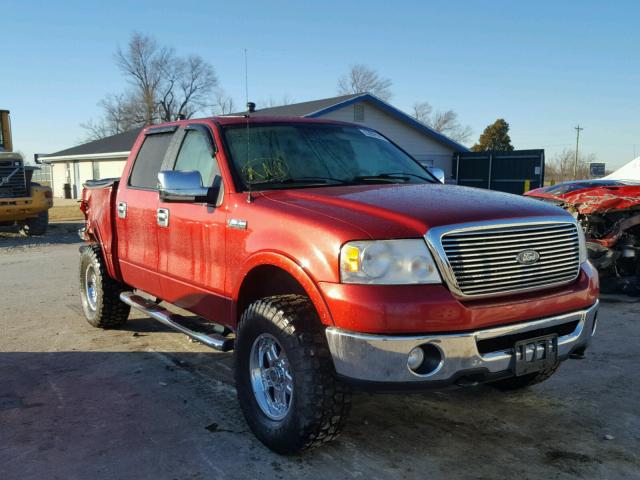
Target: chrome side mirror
[
  {"x": 438, "y": 173},
  {"x": 178, "y": 186}
]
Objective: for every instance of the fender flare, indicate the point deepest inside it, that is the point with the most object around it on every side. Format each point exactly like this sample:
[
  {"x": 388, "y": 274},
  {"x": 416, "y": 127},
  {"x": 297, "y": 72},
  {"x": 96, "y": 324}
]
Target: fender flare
[
  {"x": 94, "y": 238},
  {"x": 302, "y": 276}
]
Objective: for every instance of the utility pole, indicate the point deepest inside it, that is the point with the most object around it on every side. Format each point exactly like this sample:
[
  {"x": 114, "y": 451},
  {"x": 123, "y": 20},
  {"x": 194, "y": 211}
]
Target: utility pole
[{"x": 578, "y": 129}]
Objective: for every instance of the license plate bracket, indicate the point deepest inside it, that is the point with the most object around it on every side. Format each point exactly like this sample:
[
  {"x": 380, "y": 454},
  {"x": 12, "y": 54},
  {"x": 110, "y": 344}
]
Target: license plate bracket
[{"x": 535, "y": 354}]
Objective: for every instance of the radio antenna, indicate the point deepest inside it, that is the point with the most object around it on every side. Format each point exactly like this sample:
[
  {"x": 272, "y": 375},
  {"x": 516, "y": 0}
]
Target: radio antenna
[
  {"x": 247, "y": 115},
  {"x": 246, "y": 77}
]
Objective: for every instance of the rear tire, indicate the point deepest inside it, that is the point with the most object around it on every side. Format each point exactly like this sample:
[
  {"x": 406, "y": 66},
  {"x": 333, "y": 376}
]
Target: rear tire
[
  {"x": 35, "y": 226},
  {"x": 517, "y": 383},
  {"x": 100, "y": 294},
  {"x": 291, "y": 399}
]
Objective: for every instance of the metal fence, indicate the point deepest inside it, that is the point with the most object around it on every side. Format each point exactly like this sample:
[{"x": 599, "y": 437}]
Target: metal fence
[
  {"x": 511, "y": 172},
  {"x": 43, "y": 176}
]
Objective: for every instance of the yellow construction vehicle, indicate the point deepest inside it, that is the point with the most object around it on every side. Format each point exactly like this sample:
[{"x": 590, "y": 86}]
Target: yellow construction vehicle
[{"x": 22, "y": 201}]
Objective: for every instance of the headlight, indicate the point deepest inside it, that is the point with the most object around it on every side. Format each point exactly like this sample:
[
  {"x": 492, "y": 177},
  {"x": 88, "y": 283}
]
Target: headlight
[
  {"x": 387, "y": 262},
  {"x": 582, "y": 243}
]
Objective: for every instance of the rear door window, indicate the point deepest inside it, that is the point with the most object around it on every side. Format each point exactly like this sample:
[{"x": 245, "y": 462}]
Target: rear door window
[
  {"x": 196, "y": 154},
  {"x": 148, "y": 163}
]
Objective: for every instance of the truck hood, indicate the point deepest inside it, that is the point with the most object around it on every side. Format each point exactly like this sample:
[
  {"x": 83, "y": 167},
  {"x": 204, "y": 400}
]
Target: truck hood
[{"x": 403, "y": 211}]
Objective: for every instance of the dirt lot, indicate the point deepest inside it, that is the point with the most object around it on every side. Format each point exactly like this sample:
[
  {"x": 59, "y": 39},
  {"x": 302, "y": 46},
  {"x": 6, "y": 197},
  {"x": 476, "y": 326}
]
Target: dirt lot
[
  {"x": 144, "y": 402},
  {"x": 65, "y": 210}
]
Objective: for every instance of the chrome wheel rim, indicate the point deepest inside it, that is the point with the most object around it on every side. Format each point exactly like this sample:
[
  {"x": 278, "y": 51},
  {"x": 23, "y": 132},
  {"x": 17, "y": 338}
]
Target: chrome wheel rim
[
  {"x": 91, "y": 290},
  {"x": 271, "y": 378}
]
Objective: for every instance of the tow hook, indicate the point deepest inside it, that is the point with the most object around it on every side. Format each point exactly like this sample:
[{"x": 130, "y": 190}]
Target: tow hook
[
  {"x": 578, "y": 354},
  {"x": 467, "y": 381}
]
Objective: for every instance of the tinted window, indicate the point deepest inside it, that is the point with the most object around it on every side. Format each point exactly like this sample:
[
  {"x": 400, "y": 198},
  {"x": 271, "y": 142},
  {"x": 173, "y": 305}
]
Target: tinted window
[
  {"x": 285, "y": 154},
  {"x": 196, "y": 155},
  {"x": 149, "y": 161}
]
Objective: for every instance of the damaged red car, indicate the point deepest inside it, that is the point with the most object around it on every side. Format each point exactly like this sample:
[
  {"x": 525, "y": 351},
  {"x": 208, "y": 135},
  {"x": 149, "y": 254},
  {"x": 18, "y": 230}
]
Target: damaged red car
[{"x": 609, "y": 212}]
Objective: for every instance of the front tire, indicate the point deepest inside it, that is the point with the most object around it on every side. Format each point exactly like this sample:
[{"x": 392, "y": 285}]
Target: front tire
[
  {"x": 35, "y": 226},
  {"x": 100, "y": 294},
  {"x": 285, "y": 378}
]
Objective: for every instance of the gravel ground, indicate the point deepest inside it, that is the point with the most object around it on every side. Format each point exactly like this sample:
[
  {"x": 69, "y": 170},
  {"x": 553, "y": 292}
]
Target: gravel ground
[{"x": 145, "y": 402}]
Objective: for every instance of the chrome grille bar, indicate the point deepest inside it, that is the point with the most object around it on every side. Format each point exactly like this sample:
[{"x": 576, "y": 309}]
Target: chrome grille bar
[
  {"x": 488, "y": 272},
  {"x": 537, "y": 285},
  {"x": 513, "y": 276},
  {"x": 482, "y": 259},
  {"x": 526, "y": 231},
  {"x": 467, "y": 242},
  {"x": 452, "y": 248},
  {"x": 479, "y": 261}
]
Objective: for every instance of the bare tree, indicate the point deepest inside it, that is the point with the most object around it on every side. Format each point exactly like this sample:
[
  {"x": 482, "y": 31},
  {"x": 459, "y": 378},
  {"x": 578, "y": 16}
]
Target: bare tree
[
  {"x": 95, "y": 130},
  {"x": 186, "y": 87},
  {"x": 445, "y": 122},
  {"x": 121, "y": 113},
  {"x": 145, "y": 64},
  {"x": 361, "y": 79},
  {"x": 422, "y": 112},
  {"x": 270, "y": 102},
  {"x": 560, "y": 168},
  {"x": 162, "y": 86},
  {"x": 222, "y": 103}
]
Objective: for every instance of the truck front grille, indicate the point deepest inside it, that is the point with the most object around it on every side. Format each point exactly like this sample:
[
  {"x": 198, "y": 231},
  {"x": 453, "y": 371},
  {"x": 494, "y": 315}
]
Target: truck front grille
[
  {"x": 490, "y": 260},
  {"x": 12, "y": 179}
]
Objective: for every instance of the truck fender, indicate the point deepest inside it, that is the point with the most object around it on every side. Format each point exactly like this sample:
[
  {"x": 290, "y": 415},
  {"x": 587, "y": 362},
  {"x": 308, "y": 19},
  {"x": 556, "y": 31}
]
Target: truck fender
[
  {"x": 93, "y": 238},
  {"x": 297, "y": 271}
]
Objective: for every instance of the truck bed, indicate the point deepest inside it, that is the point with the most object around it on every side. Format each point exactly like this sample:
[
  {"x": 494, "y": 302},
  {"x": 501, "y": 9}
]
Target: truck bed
[{"x": 99, "y": 207}]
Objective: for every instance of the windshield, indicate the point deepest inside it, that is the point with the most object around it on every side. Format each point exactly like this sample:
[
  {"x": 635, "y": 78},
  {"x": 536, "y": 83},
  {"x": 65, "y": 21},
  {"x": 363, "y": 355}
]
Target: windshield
[
  {"x": 306, "y": 155},
  {"x": 568, "y": 187}
]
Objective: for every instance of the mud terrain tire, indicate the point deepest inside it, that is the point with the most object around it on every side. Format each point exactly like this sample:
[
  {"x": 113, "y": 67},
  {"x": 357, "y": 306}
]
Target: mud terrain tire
[
  {"x": 318, "y": 405},
  {"x": 100, "y": 294}
]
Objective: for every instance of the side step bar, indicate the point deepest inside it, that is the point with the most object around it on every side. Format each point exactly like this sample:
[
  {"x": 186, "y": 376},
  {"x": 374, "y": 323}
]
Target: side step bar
[{"x": 173, "y": 320}]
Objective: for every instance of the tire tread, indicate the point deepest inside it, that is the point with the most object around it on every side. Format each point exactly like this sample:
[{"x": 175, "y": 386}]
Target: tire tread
[
  {"x": 326, "y": 412},
  {"x": 111, "y": 312}
]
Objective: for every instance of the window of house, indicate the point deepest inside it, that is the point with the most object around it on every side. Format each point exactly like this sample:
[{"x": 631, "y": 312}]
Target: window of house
[{"x": 358, "y": 112}]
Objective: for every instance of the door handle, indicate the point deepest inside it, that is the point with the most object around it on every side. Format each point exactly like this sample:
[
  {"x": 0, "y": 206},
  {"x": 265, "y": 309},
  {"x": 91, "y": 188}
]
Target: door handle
[
  {"x": 163, "y": 217},
  {"x": 122, "y": 210}
]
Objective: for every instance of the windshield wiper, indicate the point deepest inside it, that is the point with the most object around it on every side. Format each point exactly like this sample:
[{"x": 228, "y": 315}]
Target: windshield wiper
[
  {"x": 301, "y": 181},
  {"x": 391, "y": 176}
]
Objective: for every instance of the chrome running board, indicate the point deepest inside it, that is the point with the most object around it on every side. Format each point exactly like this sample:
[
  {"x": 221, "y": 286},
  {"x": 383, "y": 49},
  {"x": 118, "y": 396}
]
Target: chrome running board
[{"x": 173, "y": 320}]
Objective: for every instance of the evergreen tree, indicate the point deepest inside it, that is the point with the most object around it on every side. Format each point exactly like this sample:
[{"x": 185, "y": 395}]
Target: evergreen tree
[{"x": 495, "y": 137}]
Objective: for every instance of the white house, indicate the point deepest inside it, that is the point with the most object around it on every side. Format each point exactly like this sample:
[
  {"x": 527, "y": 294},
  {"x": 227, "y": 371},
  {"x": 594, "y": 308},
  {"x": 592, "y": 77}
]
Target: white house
[{"x": 106, "y": 158}]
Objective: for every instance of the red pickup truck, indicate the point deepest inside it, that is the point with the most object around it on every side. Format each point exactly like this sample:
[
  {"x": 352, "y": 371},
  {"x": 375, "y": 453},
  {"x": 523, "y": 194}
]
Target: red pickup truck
[{"x": 326, "y": 257}]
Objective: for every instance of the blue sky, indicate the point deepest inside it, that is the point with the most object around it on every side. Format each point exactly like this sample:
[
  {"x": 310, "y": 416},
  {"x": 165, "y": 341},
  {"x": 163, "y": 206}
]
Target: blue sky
[{"x": 543, "y": 66}]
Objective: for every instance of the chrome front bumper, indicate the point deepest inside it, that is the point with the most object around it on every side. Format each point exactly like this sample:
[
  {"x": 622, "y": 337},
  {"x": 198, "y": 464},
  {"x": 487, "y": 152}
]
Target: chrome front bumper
[{"x": 383, "y": 359}]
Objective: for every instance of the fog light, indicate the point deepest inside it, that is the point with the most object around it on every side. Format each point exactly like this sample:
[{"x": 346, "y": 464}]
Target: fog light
[
  {"x": 416, "y": 357},
  {"x": 425, "y": 359}
]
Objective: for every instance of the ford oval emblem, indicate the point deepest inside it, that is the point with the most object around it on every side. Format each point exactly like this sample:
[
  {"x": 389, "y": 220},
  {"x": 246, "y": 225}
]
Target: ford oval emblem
[{"x": 527, "y": 257}]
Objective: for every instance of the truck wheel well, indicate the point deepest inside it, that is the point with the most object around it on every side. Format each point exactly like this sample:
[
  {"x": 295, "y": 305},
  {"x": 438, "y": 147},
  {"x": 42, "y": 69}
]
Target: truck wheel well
[{"x": 266, "y": 281}]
